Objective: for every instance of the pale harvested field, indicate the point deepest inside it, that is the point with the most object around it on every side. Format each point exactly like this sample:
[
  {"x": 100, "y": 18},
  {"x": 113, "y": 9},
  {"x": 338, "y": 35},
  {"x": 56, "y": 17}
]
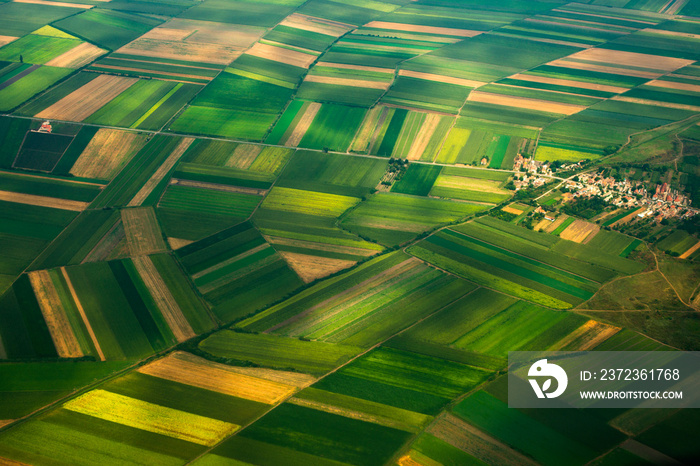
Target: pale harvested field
[
  {"x": 620, "y": 58},
  {"x": 142, "y": 232},
  {"x": 675, "y": 85},
  {"x": 208, "y": 32},
  {"x": 675, "y": 7},
  {"x": 4, "y": 461},
  {"x": 638, "y": 12},
  {"x": 151, "y": 417},
  {"x": 629, "y": 217},
  {"x": 605, "y": 69},
  {"x": 64, "y": 339},
  {"x": 512, "y": 210},
  {"x": 355, "y": 67},
  {"x": 296, "y": 379},
  {"x": 192, "y": 370},
  {"x": 522, "y": 102},
  {"x": 170, "y": 74},
  {"x": 352, "y": 414},
  {"x": 361, "y": 141},
  {"x": 232, "y": 260},
  {"x": 4, "y": 40},
  {"x": 177, "y": 243},
  {"x": 319, "y": 25},
  {"x": 542, "y": 225},
  {"x": 78, "y": 304},
  {"x": 161, "y": 172},
  {"x": 555, "y": 224},
  {"x": 292, "y": 48},
  {"x": 107, "y": 153},
  {"x": 657, "y": 103},
  {"x": 45, "y": 2},
  {"x": 440, "y": 78},
  {"x": 468, "y": 438},
  {"x": 303, "y": 125},
  {"x": 43, "y": 201},
  {"x": 309, "y": 268},
  {"x": 320, "y": 246},
  {"x": 82, "y": 103},
  {"x": 164, "y": 299},
  {"x": 591, "y": 333},
  {"x": 219, "y": 187},
  {"x": 692, "y": 249},
  {"x": 415, "y": 458},
  {"x": 178, "y": 50},
  {"x": 472, "y": 184},
  {"x": 684, "y": 76},
  {"x": 430, "y": 124},
  {"x": 579, "y": 230},
  {"x": 348, "y": 82},
  {"x": 243, "y": 156},
  {"x": 673, "y": 33},
  {"x": 569, "y": 82},
  {"x": 424, "y": 29},
  {"x": 77, "y": 57},
  {"x": 282, "y": 55}
]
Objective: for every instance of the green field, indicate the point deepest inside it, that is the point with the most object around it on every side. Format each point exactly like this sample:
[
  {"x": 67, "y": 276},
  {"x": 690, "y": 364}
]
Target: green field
[
  {"x": 331, "y": 173},
  {"x": 237, "y": 272},
  {"x": 313, "y": 357},
  {"x": 333, "y": 128},
  {"x": 107, "y": 28},
  {"x": 418, "y": 180},
  {"x": 36, "y": 81},
  {"x": 394, "y": 218}
]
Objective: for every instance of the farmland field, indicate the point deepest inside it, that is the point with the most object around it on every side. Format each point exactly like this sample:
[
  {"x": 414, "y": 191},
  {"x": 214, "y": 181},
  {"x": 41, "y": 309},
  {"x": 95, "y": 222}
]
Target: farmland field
[{"x": 311, "y": 232}]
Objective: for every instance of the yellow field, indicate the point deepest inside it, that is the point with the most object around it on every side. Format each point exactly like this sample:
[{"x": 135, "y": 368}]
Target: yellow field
[
  {"x": 50, "y": 31},
  {"x": 586, "y": 337},
  {"x": 471, "y": 184},
  {"x": 441, "y": 78},
  {"x": 310, "y": 268},
  {"x": 243, "y": 156},
  {"x": 579, "y": 230},
  {"x": 80, "y": 104},
  {"x": 423, "y": 29},
  {"x": 350, "y": 82},
  {"x": 430, "y": 124},
  {"x": 64, "y": 339},
  {"x": 107, "y": 153},
  {"x": 151, "y": 417},
  {"x": 512, "y": 210},
  {"x": 555, "y": 224},
  {"x": 308, "y": 202},
  {"x": 318, "y": 25},
  {"x": 523, "y": 102},
  {"x": 362, "y": 139},
  {"x": 281, "y": 55},
  {"x": 692, "y": 249},
  {"x": 77, "y": 57},
  {"x": 303, "y": 125},
  {"x": 43, "y": 201},
  {"x": 546, "y": 153},
  {"x": 296, "y": 379},
  {"x": 177, "y": 243},
  {"x": 192, "y": 370},
  {"x": 142, "y": 232}
]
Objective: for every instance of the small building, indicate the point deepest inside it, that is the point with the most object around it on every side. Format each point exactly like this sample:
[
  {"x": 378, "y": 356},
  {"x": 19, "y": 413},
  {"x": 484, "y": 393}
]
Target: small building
[{"x": 45, "y": 127}]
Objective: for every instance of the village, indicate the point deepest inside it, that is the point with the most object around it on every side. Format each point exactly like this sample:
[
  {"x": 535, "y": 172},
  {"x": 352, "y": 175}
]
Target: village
[{"x": 663, "y": 202}]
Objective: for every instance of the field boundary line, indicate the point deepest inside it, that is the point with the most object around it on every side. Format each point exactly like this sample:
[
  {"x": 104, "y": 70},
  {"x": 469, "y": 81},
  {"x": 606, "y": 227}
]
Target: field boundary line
[
  {"x": 359, "y": 355},
  {"x": 81, "y": 310}
]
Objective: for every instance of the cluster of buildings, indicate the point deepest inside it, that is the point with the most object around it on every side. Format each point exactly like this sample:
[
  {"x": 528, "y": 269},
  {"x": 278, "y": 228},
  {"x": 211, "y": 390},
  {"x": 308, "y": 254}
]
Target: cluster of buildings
[
  {"x": 664, "y": 203},
  {"x": 535, "y": 173}
]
